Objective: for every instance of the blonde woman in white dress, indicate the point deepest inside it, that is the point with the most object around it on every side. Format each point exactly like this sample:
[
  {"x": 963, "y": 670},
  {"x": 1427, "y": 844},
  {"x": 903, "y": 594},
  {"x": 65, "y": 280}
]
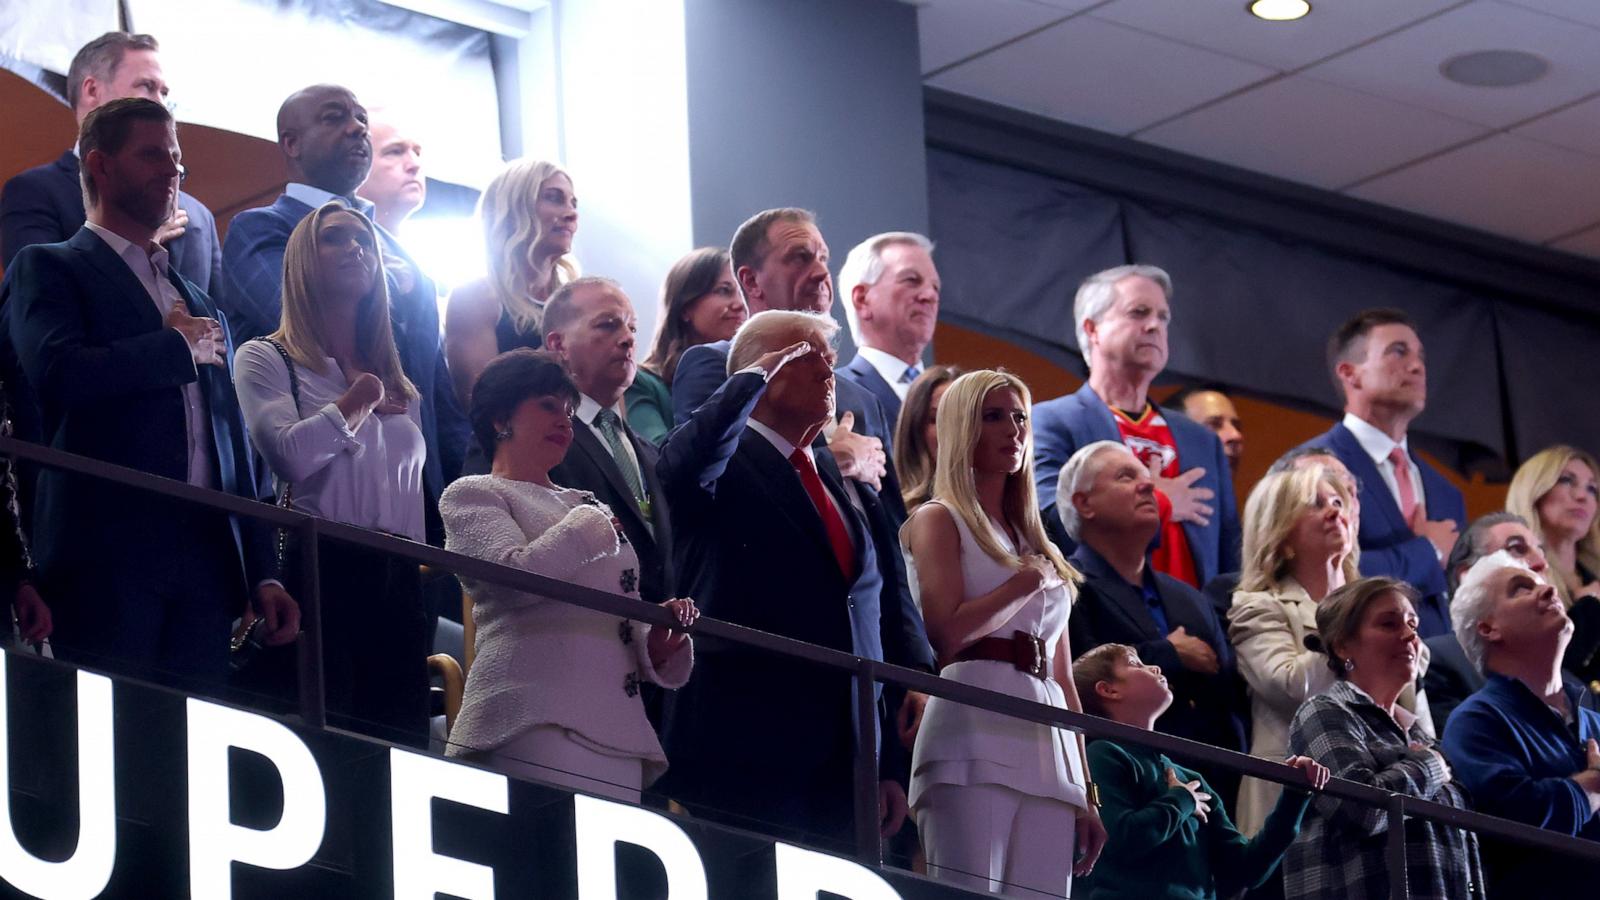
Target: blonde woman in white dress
[{"x": 1002, "y": 804}]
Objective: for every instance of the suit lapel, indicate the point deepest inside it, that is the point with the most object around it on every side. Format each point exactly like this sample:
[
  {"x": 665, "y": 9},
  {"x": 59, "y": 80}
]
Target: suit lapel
[
  {"x": 1129, "y": 601},
  {"x": 1100, "y": 424},
  {"x": 1375, "y": 493},
  {"x": 876, "y": 385},
  {"x": 789, "y": 497},
  {"x": 119, "y": 278},
  {"x": 600, "y": 457}
]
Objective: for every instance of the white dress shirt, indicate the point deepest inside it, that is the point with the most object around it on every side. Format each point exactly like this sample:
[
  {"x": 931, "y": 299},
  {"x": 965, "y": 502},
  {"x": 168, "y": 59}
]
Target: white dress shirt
[
  {"x": 891, "y": 367},
  {"x": 367, "y": 473},
  {"x": 1378, "y": 446},
  {"x": 151, "y": 268}
]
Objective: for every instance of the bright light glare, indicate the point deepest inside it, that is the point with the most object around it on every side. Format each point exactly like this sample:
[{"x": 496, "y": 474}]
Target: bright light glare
[
  {"x": 449, "y": 249},
  {"x": 1279, "y": 10}
]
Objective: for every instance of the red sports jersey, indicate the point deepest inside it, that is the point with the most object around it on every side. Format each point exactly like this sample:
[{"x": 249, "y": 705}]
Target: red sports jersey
[{"x": 1150, "y": 439}]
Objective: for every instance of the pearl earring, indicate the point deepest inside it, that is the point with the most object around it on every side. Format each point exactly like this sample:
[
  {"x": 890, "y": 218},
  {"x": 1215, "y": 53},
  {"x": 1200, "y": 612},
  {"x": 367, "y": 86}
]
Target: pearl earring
[{"x": 1349, "y": 665}]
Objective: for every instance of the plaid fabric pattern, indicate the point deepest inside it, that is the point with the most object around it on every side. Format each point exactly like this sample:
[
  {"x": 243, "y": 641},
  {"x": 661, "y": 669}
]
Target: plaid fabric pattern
[{"x": 1339, "y": 854}]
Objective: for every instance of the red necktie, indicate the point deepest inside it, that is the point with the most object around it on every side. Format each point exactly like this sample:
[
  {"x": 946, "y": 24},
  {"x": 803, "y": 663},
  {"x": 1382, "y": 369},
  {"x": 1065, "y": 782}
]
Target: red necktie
[
  {"x": 838, "y": 536},
  {"x": 1402, "y": 480}
]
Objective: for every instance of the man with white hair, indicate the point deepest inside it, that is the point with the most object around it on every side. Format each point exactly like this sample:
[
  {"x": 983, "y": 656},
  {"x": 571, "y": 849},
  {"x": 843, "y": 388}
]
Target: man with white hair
[
  {"x": 891, "y": 299},
  {"x": 1522, "y": 745},
  {"x": 1108, "y": 506},
  {"x": 768, "y": 537},
  {"x": 1122, "y": 316}
]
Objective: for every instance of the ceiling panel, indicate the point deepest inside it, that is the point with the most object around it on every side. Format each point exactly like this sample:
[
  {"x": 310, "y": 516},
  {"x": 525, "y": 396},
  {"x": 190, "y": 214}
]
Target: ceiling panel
[
  {"x": 1584, "y": 243},
  {"x": 1303, "y": 129},
  {"x": 1100, "y": 75},
  {"x": 1586, "y": 11},
  {"x": 1504, "y": 184},
  {"x": 951, "y": 30},
  {"x": 1576, "y": 127},
  {"x": 1228, "y": 27},
  {"x": 1405, "y": 65}
]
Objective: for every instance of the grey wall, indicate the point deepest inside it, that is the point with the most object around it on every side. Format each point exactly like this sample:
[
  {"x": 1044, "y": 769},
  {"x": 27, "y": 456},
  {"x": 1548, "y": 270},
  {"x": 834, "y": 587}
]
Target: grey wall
[{"x": 813, "y": 103}]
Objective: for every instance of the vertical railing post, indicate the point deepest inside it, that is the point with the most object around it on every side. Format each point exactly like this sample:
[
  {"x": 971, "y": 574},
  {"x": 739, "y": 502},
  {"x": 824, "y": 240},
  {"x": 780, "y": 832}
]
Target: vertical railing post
[
  {"x": 313, "y": 701},
  {"x": 868, "y": 845},
  {"x": 1399, "y": 886}
]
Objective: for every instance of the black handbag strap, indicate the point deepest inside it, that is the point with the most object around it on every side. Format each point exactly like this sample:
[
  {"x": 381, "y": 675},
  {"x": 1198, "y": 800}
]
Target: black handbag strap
[{"x": 294, "y": 393}]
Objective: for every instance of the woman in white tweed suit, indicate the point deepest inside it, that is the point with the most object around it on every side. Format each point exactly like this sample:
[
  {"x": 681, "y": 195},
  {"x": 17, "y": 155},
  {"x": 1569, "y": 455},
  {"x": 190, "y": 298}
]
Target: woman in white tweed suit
[{"x": 553, "y": 694}]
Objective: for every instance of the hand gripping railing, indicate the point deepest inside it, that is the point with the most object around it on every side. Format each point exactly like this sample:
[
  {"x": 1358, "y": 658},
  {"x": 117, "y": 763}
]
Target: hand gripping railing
[{"x": 866, "y": 672}]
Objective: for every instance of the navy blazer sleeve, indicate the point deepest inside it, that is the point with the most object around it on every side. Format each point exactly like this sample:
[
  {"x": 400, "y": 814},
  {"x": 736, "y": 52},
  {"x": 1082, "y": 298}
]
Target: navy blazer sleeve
[
  {"x": 1226, "y": 509},
  {"x": 701, "y": 370},
  {"x": 1053, "y": 445},
  {"x": 698, "y": 451},
  {"x": 64, "y": 368},
  {"x": 252, "y": 265},
  {"x": 27, "y": 216}
]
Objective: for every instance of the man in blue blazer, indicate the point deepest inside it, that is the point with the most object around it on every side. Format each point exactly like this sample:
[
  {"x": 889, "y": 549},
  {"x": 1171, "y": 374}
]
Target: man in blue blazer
[
  {"x": 891, "y": 298},
  {"x": 781, "y": 262},
  {"x": 130, "y": 363},
  {"x": 1409, "y": 513},
  {"x": 768, "y": 536},
  {"x": 322, "y": 131},
  {"x": 1122, "y": 316}
]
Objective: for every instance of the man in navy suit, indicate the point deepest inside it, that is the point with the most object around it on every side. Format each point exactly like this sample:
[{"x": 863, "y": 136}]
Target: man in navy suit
[
  {"x": 769, "y": 537},
  {"x": 1409, "y": 513},
  {"x": 130, "y": 363},
  {"x": 891, "y": 298},
  {"x": 44, "y": 205},
  {"x": 781, "y": 262},
  {"x": 590, "y": 324},
  {"x": 1122, "y": 316},
  {"x": 1108, "y": 505},
  {"x": 322, "y": 131}
]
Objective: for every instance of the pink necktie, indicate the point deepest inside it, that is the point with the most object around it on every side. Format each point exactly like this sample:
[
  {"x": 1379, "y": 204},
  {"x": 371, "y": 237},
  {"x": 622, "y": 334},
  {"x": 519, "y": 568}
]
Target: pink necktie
[{"x": 1402, "y": 479}]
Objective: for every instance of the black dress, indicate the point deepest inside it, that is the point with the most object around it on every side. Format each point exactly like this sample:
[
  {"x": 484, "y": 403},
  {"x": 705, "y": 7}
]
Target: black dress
[{"x": 507, "y": 337}]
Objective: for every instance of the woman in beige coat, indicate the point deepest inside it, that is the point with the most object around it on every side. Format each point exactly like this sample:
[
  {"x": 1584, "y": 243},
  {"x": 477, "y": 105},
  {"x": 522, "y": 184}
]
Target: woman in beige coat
[{"x": 1299, "y": 546}]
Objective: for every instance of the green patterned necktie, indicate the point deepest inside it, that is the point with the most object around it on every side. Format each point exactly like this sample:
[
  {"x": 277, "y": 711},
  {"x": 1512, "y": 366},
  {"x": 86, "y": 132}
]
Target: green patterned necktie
[{"x": 609, "y": 426}]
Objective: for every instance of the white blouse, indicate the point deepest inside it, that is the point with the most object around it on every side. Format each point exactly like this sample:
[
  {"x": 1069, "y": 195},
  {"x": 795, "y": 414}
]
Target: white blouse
[{"x": 366, "y": 473}]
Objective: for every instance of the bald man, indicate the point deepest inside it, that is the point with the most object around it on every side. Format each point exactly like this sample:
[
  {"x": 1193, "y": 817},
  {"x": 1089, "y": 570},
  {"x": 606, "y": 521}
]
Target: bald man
[{"x": 327, "y": 151}]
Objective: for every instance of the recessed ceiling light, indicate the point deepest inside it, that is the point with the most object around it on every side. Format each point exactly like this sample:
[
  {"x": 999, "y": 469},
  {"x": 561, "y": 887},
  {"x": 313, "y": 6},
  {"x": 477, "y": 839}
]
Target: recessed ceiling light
[
  {"x": 1494, "y": 68},
  {"x": 1279, "y": 10}
]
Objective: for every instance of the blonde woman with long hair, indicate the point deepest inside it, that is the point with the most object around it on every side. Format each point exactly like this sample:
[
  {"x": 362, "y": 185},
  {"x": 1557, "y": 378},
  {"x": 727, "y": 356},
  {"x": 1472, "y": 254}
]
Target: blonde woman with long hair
[
  {"x": 1299, "y": 546},
  {"x": 1002, "y": 804},
  {"x": 1556, "y": 492},
  {"x": 327, "y": 405},
  {"x": 529, "y": 215}
]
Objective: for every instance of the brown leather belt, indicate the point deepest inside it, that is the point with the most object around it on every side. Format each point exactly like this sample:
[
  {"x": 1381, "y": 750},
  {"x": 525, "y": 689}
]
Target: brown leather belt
[{"x": 1023, "y": 650}]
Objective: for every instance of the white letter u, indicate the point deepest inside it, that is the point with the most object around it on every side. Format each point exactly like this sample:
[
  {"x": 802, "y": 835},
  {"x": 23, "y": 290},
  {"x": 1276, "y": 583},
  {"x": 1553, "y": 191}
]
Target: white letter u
[{"x": 84, "y": 874}]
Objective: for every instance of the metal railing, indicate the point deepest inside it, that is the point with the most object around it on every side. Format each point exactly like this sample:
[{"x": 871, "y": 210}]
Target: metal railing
[{"x": 866, "y": 672}]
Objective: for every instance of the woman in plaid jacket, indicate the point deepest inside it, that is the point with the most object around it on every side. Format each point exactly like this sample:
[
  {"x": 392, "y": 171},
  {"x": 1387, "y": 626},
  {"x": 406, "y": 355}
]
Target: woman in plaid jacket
[{"x": 1358, "y": 730}]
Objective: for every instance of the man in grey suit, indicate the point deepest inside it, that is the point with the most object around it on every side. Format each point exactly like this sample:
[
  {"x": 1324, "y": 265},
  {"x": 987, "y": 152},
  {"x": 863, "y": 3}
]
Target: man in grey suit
[{"x": 891, "y": 297}]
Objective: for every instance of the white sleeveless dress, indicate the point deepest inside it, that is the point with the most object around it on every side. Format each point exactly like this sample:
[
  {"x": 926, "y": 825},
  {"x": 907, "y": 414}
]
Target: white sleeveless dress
[{"x": 963, "y": 745}]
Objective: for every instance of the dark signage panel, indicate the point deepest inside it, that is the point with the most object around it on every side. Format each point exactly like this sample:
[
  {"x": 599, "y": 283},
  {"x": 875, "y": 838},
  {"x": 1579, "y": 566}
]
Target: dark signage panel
[{"x": 120, "y": 789}]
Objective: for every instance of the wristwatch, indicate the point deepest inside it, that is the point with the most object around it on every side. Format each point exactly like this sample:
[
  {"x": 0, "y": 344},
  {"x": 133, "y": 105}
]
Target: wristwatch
[{"x": 1092, "y": 791}]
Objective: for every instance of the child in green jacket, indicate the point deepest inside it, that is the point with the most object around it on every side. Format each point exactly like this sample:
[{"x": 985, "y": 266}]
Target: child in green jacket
[{"x": 1168, "y": 837}]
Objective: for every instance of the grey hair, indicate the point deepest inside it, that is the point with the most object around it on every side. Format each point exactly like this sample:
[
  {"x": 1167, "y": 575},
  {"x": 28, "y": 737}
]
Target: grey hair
[
  {"x": 1098, "y": 291},
  {"x": 1076, "y": 476},
  {"x": 768, "y": 330},
  {"x": 864, "y": 265},
  {"x": 1473, "y": 601}
]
